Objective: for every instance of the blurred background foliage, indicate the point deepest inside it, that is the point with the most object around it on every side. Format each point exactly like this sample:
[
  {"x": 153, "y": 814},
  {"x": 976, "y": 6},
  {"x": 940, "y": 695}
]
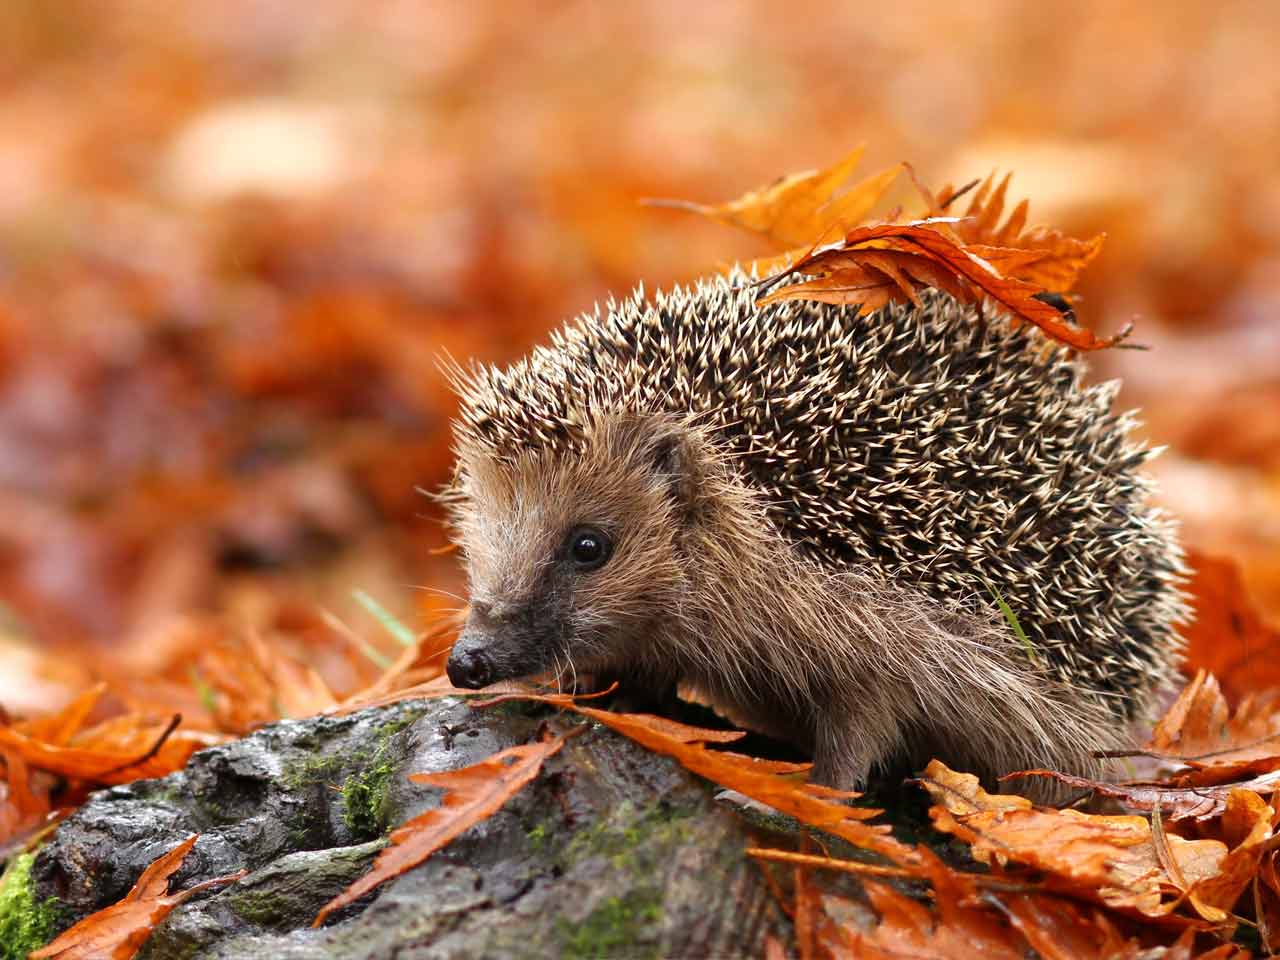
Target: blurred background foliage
[{"x": 236, "y": 236}]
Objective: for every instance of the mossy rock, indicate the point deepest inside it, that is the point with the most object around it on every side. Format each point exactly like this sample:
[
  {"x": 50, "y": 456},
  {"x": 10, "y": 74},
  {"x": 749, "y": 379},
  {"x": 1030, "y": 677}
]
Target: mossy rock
[{"x": 612, "y": 851}]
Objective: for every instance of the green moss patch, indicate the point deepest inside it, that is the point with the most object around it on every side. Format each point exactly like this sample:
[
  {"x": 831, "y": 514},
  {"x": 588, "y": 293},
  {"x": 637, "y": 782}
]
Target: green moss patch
[
  {"x": 619, "y": 927},
  {"x": 25, "y": 925},
  {"x": 364, "y": 798},
  {"x": 364, "y": 793}
]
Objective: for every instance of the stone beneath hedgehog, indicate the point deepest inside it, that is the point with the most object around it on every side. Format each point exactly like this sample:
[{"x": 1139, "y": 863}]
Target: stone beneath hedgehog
[{"x": 805, "y": 515}]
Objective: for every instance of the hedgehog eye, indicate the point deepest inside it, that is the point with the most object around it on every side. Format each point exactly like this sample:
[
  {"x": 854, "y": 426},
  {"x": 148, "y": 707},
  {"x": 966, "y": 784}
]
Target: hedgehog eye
[{"x": 589, "y": 548}]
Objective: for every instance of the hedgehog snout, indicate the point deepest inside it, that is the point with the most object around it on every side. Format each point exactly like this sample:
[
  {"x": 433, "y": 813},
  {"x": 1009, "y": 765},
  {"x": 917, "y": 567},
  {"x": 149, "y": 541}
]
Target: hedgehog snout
[
  {"x": 501, "y": 642},
  {"x": 469, "y": 669}
]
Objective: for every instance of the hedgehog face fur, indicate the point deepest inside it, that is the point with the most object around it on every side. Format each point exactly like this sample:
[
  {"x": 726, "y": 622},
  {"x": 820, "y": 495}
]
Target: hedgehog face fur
[
  {"x": 805, "y": 514},
  {"x": 573, "y": 561}
]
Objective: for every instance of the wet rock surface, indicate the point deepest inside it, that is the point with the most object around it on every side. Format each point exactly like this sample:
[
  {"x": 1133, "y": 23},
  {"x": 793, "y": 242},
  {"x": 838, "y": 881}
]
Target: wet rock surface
[{"x": 611, "y": 852}]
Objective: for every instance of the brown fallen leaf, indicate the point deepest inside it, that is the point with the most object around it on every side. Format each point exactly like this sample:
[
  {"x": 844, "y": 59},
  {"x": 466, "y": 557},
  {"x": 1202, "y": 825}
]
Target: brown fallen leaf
[
  {"x": 1199, "y": 802},
  {"x": 801, "y": 208},
  {"x": 853, "y": 272},
  {"x": 1061, "y": 929},
  {"x": 1200, "y": 731},
  {"x": 1227, "y": 635},
  {"x": 1266, "y": 899},
  {"x": 954, "y": 928},
  {"x": 1247, "y": 830},
  {"x": 1111, "y": 859},
  {"x": 471, "y": 795},
  {"x": 118, "y": 931}
]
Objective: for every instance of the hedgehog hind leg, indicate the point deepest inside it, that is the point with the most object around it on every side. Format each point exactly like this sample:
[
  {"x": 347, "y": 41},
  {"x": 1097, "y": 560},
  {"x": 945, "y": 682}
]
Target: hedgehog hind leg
[
  {"x": 1025, "y": 723},
  {"x": 849, "y": 749}
]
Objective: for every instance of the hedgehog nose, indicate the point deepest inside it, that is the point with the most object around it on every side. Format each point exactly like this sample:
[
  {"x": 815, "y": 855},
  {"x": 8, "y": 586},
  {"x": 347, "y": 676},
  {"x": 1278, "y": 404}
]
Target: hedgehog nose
[{"x": 469, "y": 670}]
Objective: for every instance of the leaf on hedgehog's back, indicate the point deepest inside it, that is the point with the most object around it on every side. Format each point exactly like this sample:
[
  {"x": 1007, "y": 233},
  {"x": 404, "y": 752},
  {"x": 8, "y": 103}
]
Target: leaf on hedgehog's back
[
  {"x": 1112, "y": 859},
  {"x": 931, "y": 258},
  {"x": 471, "y": 795},
  {"x": 801, "y": 208},
  {"x": 1227, "y": 635},
  {"x": 1042, "y": 256}
]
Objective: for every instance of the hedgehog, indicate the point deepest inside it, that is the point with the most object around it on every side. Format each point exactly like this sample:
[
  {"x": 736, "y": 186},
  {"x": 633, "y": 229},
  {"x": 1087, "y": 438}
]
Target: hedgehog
[{"x": 882, "y": 537}]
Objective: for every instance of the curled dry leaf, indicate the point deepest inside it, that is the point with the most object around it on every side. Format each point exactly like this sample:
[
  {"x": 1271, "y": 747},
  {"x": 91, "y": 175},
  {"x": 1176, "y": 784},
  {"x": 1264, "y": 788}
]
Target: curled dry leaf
[
  {"x": 118, "y": 931},
  {"x": 1112, "y": 859},
  {"x": 1053, "y": 261},
  {"x": 1177, "y": 802},
  {"x": 472, "y": 794},
  {"x": 854, "y": 272}
]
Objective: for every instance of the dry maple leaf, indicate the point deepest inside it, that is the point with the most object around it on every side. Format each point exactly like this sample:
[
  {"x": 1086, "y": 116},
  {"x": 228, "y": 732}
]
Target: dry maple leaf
[
  {"x": 1053, "y": 261},
  {"x": 472, "y": 794},
  {"x": 117, "y": 931},
  {"x": 1112, "y": 859},
  {"x": 855, "y": 272},
  {"x": 800, "y": 208}
]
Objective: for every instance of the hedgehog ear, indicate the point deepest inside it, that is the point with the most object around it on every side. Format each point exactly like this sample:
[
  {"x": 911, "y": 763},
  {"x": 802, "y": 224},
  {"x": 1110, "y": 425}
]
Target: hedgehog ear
[{"x": 674, "y": 460}]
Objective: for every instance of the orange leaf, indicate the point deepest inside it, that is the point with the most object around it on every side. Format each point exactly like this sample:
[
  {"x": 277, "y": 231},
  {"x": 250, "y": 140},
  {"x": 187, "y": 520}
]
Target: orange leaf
[
  {"x": 1060, "y": 258},
  {"x": 118, "y": 931},
  {"x": 1227, "y": 634},
  {"x": 954, "y": 928},
  {"x": 1108, "y": 858},
  {"x": 1200, "y": 730},
  {"x": 103, "y": 765},
  {"x": 59, "y": 728},
  {"x": 801, "y": 208},
  {"x": 21, "y": 806},
  {"x": 471, "y": 795},
  {"x": 808, "y": 803},
  {"x": 967, "y": 273},
  {"x": 1246, "y": 826},
  {"x": 1058, "y": 929}
]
